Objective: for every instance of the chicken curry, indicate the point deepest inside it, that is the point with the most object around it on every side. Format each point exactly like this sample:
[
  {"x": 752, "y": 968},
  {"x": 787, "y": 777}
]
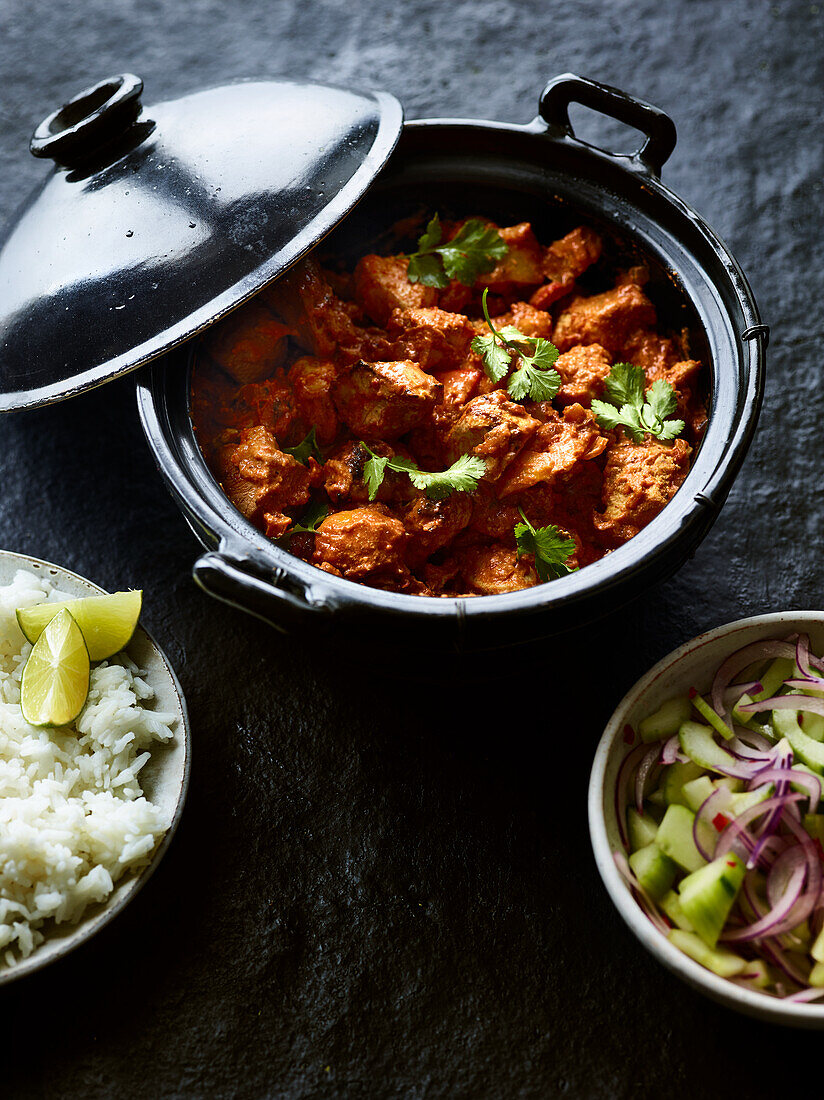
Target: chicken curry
[{"x": 450, "y": 436}]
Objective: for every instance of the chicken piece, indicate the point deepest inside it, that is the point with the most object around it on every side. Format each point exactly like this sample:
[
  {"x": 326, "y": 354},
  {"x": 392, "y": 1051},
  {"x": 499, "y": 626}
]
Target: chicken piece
[
  {"x": 493, "y": 428},
  {"x": 433, "y": 524},
  {"x": 381, "y": 286},
  {"x": 491, "y": 570},
  {"x": 385, "y": 400},
  {"x": 261, "y": 481},
  {"x": 432, "y": 338},
  {"x": 521, "y": 268},
  {"x": 526, "y": 319},
  {"x": 343, "y": 475},
  {"x": 645, "y": 348},
  {"x": 565, "y": 261},
  {"x": 554, "y": 450},
  {"x": 322, "y": 323},
  {"x": 459, "y": 385},
  {"x": 606, "y": 319},
  {"x": 307, "y": 304},
  {"x": 271, "y": 404},
  {"x": 249, "y": 344},
  {"x": 583, "y": 370},
  {"x": 363, "y": 543},
  {"x": 492, "y": 517},
  {"x": 639, "y": 480},
  {"x": 312, "y": 381}
]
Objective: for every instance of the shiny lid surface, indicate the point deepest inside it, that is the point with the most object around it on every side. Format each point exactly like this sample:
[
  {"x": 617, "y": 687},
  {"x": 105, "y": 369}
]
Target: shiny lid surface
[{"x": 156, "y": 222}]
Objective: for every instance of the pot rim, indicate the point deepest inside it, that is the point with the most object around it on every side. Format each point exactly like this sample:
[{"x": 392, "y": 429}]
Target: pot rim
[{"x": 693, "y": 507}]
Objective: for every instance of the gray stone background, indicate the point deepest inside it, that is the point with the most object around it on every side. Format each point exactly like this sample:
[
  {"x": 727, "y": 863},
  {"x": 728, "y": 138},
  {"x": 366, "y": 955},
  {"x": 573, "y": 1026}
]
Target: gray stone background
[{"x": 381, "y": 889}]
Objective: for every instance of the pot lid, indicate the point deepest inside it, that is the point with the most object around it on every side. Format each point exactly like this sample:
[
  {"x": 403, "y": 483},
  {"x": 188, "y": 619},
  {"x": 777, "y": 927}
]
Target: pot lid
[{"x": 157, "y": 221}]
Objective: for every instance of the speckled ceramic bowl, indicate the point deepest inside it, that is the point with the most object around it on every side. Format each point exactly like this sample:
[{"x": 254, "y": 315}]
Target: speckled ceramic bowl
[
  {"x": 165, "y": 777},
  {"x": 692, "y": 664}
]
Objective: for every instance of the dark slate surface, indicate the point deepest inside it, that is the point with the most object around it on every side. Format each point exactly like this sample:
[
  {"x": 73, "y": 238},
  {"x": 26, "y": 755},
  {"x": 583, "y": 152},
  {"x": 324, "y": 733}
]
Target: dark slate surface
[{"x": 382, "y": 889}]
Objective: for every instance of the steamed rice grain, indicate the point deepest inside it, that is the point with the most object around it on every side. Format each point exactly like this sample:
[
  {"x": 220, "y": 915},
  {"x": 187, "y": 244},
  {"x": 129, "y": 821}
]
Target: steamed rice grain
[{"x": 73, "y": 816}]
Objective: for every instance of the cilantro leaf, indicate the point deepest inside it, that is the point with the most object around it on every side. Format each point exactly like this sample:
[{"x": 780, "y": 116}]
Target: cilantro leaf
[
  {"x": 496, "y": 357},
  {"x": 662, "y": 399},
  {"x": 625, "y": 389},
  {"x": 625, "y": 385},
  {"x": 476, "y": 248},
  {"x": 313, "y": 515},
  {"x": 431, "y": 237},
  {"x": 462, "y": 476},
  {"x": 427, "y": 268},
  {"x": 535, "y": 377},
  {"x": 306, "y": 449},
  {"x": 373, "y": 472},
  {"x": 549, "y": 546}
]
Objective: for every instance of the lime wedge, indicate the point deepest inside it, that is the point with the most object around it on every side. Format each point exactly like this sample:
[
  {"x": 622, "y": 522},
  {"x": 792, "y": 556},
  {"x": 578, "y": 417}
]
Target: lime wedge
[
  {"x": 107, "y": 622},
  {"x": 55, "y": 681}
]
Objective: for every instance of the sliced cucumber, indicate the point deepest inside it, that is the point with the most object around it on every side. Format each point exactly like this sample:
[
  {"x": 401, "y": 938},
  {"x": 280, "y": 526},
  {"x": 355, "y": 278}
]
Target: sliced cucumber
[
  {"x": 732, "y": 785},
  {"x": 698, "y": 743},
  {"x": 781, "y": 669},
  {"x": 719, "y": 961},
  {"x": 707, "y": 895},
  {"x": 674, "y": 838},
  {"x": 816, "y": 977},
  {"x": 674, "y": 778},
  {"x": 757, "y": 974},
  {"x": 814, "y": 824},
  {"x": 709, "y": 715},
  {"x": 817, "y": 949},
  {"x": 655, "y": 871},
  {"x": 671, "y": 905},
  {"x": 641, "y": 828},
  {"x": 807, "y": 750},
  {"x": 697, "y": 791},
  {"x": 747, "y": 799},
  {"x": 667, "y": 720}
]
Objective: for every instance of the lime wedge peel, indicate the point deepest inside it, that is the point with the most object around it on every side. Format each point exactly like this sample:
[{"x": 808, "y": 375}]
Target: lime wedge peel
[
  {"x": 55, "y": 682},
  {"x": 106, "y": 622}
]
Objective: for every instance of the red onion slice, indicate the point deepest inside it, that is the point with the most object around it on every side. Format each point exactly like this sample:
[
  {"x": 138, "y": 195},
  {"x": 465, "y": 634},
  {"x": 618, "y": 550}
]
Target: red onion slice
[
  {"x": 805, "y": 995},
  {"x": 786, "y": 702},
  {"x": 648, "y": 762},
  {"x": 767, "y": 925},
  {"x": 703, "y": 826},
  {"x": 669, "y": 753},
  {"x": 738, "y": 661},
  {"x": 737, "y": 830},
  {"x": 625, "y": 772},
  {"x": 813, "y": 683},
  {"x": 811, "y": 783}
]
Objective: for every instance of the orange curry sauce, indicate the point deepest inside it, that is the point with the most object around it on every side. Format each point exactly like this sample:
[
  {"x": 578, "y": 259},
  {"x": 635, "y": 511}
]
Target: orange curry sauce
[{"x": 370, "y": 356}]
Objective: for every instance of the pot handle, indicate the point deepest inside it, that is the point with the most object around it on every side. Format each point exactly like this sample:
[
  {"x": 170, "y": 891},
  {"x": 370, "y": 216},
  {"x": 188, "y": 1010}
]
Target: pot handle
[
  {"x": 241, "y": 583},
  {"x": 658, "y": 126}
]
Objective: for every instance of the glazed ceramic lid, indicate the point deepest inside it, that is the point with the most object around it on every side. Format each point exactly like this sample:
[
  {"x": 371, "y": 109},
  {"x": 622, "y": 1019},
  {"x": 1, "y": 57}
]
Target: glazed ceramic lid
[{"x": 156, "y": 221}]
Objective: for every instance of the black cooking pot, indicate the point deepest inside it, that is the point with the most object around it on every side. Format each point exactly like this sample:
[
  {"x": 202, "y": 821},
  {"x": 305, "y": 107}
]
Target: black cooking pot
[{"x": 542, "y": 173}]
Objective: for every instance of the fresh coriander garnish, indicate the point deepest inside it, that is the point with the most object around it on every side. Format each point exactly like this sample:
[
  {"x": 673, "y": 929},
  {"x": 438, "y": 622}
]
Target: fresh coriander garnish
[
  {"x": 627, "y": 408},
  {"x": 462, "y": 476},
  {"x": 475, "y": 249},
  {"x": 549, "y": 546},
  {"x": 535, "y": 377},
  {"x": 306, "y": 449},
  {"x": 308, "y": 523}
]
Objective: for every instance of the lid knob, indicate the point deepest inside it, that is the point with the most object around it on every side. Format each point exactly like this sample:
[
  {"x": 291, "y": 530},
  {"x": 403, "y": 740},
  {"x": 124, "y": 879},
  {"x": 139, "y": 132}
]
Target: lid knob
[{"x": 89, "y": 121}]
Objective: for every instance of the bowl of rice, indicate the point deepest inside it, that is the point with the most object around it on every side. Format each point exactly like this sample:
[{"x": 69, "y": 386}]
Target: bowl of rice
[{"x": 86, "y": 810}]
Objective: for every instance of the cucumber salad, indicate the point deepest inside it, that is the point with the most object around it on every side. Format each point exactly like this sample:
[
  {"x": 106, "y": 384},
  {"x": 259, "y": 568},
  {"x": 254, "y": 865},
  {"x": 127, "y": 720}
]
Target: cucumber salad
[{"x": 718, "y": 802}]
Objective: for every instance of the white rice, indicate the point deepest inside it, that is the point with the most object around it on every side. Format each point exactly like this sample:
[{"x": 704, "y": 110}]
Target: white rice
[{"x": 73, "y": 817}]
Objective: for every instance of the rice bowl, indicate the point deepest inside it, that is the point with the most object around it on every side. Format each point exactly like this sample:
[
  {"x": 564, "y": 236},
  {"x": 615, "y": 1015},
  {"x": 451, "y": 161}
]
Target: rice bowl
[{"x": 83, "y": 809}]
